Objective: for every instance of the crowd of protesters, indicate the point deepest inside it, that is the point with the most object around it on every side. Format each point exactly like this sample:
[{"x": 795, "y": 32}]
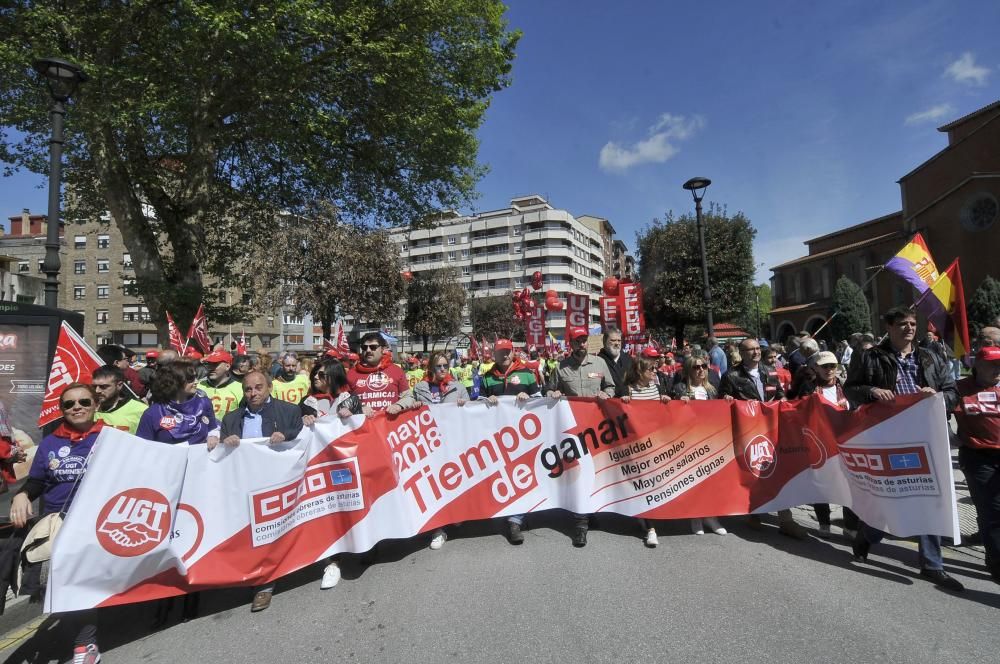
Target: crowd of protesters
[{"x": 219, "y": 399}]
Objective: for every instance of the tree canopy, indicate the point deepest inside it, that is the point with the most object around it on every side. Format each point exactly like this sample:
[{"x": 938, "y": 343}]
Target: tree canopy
[
  {"x": 851, "y": 308},
  {"x": 983, "y": 308},
  {"x": 213, "y": 117},
  {"x": 493, "y": 317},
  {"x": 670, "y": 268},
  {"x": 434, "y": 303}
]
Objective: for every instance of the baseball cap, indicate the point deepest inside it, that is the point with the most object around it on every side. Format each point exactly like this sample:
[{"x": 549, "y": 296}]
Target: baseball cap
[
  {"x": 650, "y": 352},
  {"x": 577, "y": 332},
  {"x": 823, "y": 357},
  {"x": 217, "y": 356},
  {"x": 989, "y": 354},
  {"x": 503, "y": 344},
  {"x": 193, "y": 354},
  {"x": 152, "y": 355},
  {"x": 412, "y": 360}
]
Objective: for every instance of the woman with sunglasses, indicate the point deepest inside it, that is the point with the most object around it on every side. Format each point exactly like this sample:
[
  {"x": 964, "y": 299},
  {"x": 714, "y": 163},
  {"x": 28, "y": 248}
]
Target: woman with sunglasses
[
  {"x": 694, "y": 384},
  {"x": 440, "y": 386},
  {"x": 329, "y": 392},
  {"x": 178, "y": 411},
  {"x": 59, "y": 464}
]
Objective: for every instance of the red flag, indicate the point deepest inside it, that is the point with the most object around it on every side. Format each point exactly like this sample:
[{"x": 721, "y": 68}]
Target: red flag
[
  {"x": 176, "y": 341},
  {"x": 241, "y": 345},
  {"x": 340, "y": 338},
  {"x": 473, "y": 349},
  {"x": 73, "y": 362},
  {"x": 199, "y": 330}
]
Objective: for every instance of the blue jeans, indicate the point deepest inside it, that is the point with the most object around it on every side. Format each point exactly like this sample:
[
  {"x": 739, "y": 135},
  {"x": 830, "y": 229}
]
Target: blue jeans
[{"x": 929, "y": 551}]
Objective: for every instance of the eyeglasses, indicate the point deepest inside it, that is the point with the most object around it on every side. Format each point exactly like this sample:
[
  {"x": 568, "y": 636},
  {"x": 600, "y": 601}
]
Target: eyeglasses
[
  {"x": 699, "y": 366},
  {"x": 85, "y": 403},
  {"x": 828, "y": 366},
  {"x": 371, "y": 346},
  {"x": 440, "y": 367}
]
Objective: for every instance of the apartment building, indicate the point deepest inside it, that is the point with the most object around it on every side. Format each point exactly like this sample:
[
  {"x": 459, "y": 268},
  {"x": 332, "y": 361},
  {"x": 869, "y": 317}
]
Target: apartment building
[{"x": 496, "y": 252}]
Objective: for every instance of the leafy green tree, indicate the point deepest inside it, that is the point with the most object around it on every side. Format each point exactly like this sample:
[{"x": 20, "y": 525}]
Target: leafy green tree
[
  {"x": 434, "y": 303},
  {"x": 670, "y": 268},
  {"x": 984, "y": 308},
  {"x": 202, "y": 120},
  {"x": 851, "y": 308},
  {"x": 319, "y": 265},
  {"x": 493, "y": 316},
  {"x": 755, "y": 318}
]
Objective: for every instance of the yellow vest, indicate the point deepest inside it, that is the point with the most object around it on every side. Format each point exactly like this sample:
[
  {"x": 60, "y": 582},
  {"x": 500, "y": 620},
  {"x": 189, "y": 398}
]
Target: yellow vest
[
  {"x": 225, "y": 399},
  {"x": 126, "y": 417},
  {"x": 293, "y": 391}
]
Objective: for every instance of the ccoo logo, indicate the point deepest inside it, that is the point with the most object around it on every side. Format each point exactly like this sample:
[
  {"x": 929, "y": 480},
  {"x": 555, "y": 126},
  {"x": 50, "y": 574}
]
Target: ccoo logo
[
  {"x": 759, "y": 457},
  {"x": 134, "y": 522}
]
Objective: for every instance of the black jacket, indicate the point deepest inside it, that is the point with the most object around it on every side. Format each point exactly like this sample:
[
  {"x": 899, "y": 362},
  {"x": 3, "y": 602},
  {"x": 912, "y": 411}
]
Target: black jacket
[
  {"x": 738, "y": 384},
  {"x": 877, "y": 367},
  {"x": 618, "y": 369},
  {"x": 276, "y": 415}
]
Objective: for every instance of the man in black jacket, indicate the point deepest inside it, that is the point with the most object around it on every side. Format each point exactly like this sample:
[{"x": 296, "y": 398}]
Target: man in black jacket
[
  {"x": 617, "y": 360},
  {"x": 898, "y": 366},
  {"x": 261, "y": 416}
]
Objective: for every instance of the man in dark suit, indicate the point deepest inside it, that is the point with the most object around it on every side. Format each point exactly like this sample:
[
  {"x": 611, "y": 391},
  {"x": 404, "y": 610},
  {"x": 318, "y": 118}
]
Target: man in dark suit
[{"x": 261, "y": 416}]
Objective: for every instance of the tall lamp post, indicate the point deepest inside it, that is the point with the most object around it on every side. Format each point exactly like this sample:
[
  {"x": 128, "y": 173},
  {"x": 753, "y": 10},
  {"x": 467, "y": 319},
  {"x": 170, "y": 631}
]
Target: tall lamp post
[
  {"x": 62, "y": 78},
  {"x": 697, "y": 187}
]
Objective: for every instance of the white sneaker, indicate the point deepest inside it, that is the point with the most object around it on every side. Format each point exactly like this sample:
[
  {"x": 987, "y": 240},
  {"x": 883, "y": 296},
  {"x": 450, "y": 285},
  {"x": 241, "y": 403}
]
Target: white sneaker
[
  {"x": 651, "y": 540},
  {"x": 714, "y": 525},
  {"x": 438, "y": 540},
  {"x": 696, "y": 527},
  {"x": 331, "y": 576}
]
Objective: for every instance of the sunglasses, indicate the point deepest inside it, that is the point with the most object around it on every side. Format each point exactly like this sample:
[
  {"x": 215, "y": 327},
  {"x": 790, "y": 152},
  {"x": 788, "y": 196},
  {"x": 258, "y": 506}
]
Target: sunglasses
[
  {"x": 439, "y": 367},
  {"x": 371, "y": 346},
  {"x": 700, "y": 366},
  {"x": 828, "y": 366},
  {"x": 85, "y": 403}
]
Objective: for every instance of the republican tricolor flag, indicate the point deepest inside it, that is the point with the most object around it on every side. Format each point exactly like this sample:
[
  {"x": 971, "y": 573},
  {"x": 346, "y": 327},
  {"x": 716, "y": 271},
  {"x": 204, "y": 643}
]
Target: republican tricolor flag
[
  {"x": 915, "y": 264},
  {"x": 944, "y": 306}
]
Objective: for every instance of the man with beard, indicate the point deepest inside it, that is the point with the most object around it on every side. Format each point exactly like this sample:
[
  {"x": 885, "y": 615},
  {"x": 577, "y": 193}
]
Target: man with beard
[
  {"x": 115, "y": 405},
  {"x": 289, "y": 385},
  {"x": 618, "y": 361},
  {"x": 380, "y": 384},
  {"x": 116, "y": 356},
  {"x": 242, "y": 365},
  {"x": 581, "y": 375},
  {"x": 219, "y": 385}
]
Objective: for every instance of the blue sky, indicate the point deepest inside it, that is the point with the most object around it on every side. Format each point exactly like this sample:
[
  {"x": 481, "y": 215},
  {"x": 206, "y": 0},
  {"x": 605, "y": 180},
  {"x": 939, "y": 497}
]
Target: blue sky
[{"x": 804, "y": 114}]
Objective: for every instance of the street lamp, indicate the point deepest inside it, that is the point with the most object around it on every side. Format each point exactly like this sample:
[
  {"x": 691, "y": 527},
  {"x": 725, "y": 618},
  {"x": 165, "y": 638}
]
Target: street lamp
[
  {"x": 697, "y": 187},
  {"x": 62, "y": 78}
]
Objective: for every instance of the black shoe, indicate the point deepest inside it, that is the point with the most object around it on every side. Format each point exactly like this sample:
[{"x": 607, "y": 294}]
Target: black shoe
[
  {"x": 514, "y": 536},
  {"x": 941, "y": 579},
  {"x": 860, "y": 547},
  {"x": 580, "y": 537}
]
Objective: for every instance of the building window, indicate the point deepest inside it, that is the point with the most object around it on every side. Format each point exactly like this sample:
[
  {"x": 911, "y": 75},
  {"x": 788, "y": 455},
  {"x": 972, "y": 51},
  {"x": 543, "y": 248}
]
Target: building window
[
  {"x": 466, "y": 270},
  {"x": 291, "y": 339},
  {"x": 103, "y": 241},
  {"x": 293, "y": 320},
  {"x": 79, "y": 292},
  {"x": 317, "y": 340},
  {"x": 265, "y": 341},
  {"x": 103, "y": 265},
  {"x": 465, "y": 253},
  {"x": 135, "y": 313},
  {"x": 270, "y": 321},
  {"x": 41, "y": 266},
  {"x": 452, "y": 239},
  {"x": 103, "y": 292},
  {"x": 79, "y": 267},
  {"x": 103, "y": 339},
  {"x": 24, "y": 266},
  {"x": 102, "y": 316},
  {"x": 451, "y": 255},
  {"x": 80, "y": 242},
  {"x": 129, "y": 287},
  {"x": 127, "y": 261}
]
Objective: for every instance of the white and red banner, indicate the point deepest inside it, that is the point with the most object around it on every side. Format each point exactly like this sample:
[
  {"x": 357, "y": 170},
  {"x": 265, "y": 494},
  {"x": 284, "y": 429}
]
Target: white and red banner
[
  {"x": 625, "y": 312},
  {"x": 174, "y": 332},
  {"x": 74, "y": 362},
  {"x": 198, "y": 333},
  {"x": 534, "y": 328},
  {"x": 609, "y": 312},
  {"x": 577, "y": 310},
  {"x": 154, "y": 520}
]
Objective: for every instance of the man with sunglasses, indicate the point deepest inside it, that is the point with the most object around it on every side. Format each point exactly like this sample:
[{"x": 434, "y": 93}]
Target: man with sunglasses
[
  {"x": 898, "y": 366},
  {"x": 380, "y": 384},
  {"x": 750, "y": 380},
  {"x": 115, "y": 405}
]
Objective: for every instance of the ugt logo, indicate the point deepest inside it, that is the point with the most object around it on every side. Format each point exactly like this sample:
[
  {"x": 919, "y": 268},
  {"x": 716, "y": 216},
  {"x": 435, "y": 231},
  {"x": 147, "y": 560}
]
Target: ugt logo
[
  {"x": 134, "y": 522},
  {"x": 759, "y": 457}
]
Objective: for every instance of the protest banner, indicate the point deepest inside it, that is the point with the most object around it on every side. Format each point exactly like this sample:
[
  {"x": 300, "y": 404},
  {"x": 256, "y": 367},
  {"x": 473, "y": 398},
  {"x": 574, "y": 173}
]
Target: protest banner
[{"x": 153, "y": 520}]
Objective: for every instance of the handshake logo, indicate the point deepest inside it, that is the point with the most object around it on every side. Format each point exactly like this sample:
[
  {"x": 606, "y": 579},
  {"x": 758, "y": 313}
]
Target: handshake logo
[{"x": 134, "y": 522}]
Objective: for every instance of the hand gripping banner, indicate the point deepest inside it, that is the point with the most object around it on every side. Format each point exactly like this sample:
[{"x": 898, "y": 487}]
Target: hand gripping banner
[{"x": 154, "y": 520}]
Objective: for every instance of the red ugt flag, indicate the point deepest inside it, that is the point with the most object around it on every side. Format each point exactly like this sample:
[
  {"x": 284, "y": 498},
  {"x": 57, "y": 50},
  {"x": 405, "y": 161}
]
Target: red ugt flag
[
  {"x": 176, "y": 341},
  {"x": 199, "y": 330},
  {"x": 73, "y": 362}
]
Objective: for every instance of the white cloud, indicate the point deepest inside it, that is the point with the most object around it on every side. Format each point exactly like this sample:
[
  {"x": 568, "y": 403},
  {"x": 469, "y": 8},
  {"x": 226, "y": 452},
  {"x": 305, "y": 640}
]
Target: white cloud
[
  {"x": 657, "y": 148},
  {"x": 932, "y": 114},
  {"x": 965, "y": 70}
]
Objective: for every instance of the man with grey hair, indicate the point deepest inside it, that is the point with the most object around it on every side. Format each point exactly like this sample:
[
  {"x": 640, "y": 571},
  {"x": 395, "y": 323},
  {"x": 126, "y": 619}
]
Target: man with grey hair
[
  {"x": 800, "y": 358},
  {"x": 290, "y": 385}
]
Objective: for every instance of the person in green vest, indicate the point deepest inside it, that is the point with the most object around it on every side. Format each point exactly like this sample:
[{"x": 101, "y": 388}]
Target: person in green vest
[
  {"x": 225, "y": 391},
  {"x": 414, "y": 372},
  {"x": 290, "y": 385},
  {"x": 463, "y": 372},
  {"x": 116, "y": 406}
]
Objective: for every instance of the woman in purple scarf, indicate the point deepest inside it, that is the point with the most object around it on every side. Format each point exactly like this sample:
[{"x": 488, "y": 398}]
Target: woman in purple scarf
[{"x": 178, "y": 411}]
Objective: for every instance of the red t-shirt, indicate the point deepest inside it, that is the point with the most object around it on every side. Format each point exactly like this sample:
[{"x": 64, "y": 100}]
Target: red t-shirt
[
  {"x": 378, "y": 387},
  {"x": 978, "y": 414}
]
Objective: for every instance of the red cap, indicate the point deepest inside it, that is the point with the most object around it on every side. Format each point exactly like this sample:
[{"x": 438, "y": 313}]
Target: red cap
[
  {"x": 193, "y": 354},
  {"x": 503, "y": 344},
  {"x": 412, "y": 360},
  {"x": 577, "y": 332},
  {"x": 670, "y": 355},
  {"x": 333, "y": 352},
  {"x": 217, "y": 356},
  {"x": 989, "y": 354},
  {"x": 152, "y": 355},
  {"x": 650, "y": 352}
]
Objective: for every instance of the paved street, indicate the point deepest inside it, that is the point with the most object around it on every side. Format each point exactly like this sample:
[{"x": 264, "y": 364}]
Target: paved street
[{"x": 746, "y": 597}]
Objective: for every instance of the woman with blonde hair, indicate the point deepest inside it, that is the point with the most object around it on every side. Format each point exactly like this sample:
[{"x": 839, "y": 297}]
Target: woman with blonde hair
[{"x": 695, "y": 385}]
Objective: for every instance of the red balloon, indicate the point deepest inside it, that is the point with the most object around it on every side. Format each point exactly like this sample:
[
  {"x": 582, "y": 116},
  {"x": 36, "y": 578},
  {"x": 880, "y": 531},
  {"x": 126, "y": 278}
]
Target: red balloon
[
  {"x": 407, "y": 276},
  {"x": 526, "y": 294},
  {"x": 552, "y": 304},
  {"x": 558, "y": 305},
  {"x": 551, "y": 295},
  {"x": 536, "y": 280},
  {"x": 611, "y": 286}
]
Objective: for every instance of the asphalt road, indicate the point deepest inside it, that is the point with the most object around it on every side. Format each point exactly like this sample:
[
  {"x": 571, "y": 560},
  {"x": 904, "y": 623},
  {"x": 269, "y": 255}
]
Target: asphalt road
[{"x": 746, "y": 597}]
